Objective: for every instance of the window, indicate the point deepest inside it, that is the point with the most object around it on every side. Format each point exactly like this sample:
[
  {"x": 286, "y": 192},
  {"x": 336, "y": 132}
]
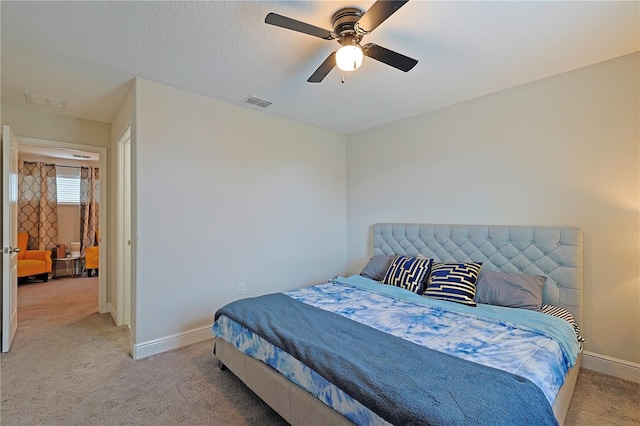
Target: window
[{"x": 68, "y": 182}]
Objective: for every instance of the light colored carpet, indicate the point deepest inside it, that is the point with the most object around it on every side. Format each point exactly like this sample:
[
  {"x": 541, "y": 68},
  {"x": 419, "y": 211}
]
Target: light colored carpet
[
  {"x": 601, "y": 400},
  {"x": 70, "y": 365}
]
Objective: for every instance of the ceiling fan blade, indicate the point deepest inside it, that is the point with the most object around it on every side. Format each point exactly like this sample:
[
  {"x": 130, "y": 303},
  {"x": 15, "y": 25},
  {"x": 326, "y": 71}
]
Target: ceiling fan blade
[
  {"x": 301, "y": 27},
  {"x": 323, "y": 69},
  {"x": 378, "y": 13},
  {"x": 389, "y": 57}
]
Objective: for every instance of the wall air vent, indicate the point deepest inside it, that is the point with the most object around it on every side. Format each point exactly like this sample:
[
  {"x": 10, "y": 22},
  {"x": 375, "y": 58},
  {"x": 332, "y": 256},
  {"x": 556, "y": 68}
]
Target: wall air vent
[
  {"x": 252, "y": 100},
  {"x": 45, "y": 101}
]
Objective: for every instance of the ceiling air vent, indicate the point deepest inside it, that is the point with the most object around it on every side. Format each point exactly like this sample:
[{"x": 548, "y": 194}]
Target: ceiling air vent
[
  {"x": 45, "y": 101},
  {"x": 252, "y": 100}
]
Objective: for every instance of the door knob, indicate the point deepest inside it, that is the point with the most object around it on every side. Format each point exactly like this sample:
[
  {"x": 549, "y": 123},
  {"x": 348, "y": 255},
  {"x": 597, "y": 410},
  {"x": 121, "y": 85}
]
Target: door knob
[{"x": 8, "y": 250}]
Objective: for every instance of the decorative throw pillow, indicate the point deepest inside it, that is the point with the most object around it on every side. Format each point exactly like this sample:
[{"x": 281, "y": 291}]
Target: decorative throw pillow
[
  {"x": 377, "y": 266},
  {"x": 454, "y": 282},
  {"x": 510, "y": 289},
  {"x": 408, "y": 272}
]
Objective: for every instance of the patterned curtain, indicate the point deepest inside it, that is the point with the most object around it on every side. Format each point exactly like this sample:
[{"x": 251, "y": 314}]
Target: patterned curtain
[
  {"x": 38, "y": 204},
  {"x": 89, "y": 206}
]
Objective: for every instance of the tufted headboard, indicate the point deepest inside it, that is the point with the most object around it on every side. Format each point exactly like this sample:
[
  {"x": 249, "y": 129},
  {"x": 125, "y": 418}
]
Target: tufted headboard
[{"x": 555, "y": 252}]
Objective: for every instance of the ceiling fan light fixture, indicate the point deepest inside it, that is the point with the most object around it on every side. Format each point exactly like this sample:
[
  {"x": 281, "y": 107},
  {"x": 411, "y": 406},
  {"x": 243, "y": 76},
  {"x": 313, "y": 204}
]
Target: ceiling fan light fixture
[{"x": 349, "y": 58}]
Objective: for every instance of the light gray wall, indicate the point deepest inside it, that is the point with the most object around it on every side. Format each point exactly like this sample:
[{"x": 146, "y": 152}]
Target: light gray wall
[
  {"x": 225, "y": 195},
  {"x": 560, "y": 151},
  {"x": 33, "y": 123}
]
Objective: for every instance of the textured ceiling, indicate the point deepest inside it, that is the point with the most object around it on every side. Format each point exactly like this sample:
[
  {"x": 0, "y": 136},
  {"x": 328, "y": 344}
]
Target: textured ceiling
[{"x": 87, "y": 53}]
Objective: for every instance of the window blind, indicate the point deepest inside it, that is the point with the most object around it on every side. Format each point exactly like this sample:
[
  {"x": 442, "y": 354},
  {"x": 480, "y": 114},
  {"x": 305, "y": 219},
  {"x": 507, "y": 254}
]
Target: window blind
[{"x": 68, "y": 183}]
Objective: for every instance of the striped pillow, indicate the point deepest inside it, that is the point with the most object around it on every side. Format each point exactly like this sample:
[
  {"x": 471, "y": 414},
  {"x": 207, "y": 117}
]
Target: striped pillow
[
  {"x": 408, "y": 272},
  {"x": 564, "y": 314},
  {"x": 454, "y": 282}
]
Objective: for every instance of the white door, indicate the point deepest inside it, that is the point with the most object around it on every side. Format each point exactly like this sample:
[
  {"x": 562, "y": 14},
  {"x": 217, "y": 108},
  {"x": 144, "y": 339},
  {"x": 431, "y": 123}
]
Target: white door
[{"x": 9, "y": 237}]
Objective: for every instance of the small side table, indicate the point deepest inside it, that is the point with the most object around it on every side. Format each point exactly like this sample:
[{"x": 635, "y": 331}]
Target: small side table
[{"x": 73, "y": 261}]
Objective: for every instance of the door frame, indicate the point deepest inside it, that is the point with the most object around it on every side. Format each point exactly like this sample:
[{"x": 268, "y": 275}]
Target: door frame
[
  {"x": 123, "y": 239},
  {"x": 104, "y": 208}
]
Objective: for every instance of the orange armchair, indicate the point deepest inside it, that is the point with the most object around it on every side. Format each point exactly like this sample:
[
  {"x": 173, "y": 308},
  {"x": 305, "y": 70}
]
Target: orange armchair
[
  {"x": 32, "y": 262},
  {"x": 92, "y": 256}
]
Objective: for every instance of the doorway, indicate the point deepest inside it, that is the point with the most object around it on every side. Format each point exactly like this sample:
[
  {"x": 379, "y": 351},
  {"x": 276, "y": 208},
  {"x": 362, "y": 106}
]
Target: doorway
[{"x": 53, "y": 148}]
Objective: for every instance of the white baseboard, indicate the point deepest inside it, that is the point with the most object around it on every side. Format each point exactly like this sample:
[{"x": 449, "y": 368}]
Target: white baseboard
[
  {"x": 175, "y": 341},
  {"x": 611, "y": 366}
]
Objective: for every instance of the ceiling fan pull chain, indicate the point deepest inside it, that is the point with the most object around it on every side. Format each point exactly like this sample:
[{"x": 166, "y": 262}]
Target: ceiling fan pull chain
[
  {"x": 342, "y": 79},
  {"x": 353, "y": 43}
]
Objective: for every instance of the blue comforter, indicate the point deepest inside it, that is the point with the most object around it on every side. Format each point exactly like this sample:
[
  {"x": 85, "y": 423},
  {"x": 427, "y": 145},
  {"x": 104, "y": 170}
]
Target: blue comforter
[{"x": 405, "y": 384}]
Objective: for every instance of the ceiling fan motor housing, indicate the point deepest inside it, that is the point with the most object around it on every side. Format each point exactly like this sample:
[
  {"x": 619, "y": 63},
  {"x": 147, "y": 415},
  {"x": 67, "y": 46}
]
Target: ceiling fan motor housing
[{"x": 344, "y": 22}]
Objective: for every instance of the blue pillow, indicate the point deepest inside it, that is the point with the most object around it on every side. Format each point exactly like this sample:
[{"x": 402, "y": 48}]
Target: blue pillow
[
  {"x": 408, "y": 272},
  {"x": 454, "y": 282}
]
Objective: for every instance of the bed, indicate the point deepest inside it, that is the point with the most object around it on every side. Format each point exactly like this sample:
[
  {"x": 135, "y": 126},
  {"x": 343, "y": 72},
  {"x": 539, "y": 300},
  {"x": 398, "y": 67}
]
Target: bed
[{"x": 469, "y": 379}]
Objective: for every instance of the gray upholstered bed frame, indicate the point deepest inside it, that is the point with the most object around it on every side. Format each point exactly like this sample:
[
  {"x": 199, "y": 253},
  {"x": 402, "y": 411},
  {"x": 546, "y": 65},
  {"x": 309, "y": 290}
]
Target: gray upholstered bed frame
[{"x": 555, "y": 252}]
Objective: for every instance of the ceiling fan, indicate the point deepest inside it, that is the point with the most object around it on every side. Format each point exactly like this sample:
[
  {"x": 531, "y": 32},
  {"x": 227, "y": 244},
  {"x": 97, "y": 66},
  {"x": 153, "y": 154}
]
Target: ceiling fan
[{"x": 350, "y": 25}]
